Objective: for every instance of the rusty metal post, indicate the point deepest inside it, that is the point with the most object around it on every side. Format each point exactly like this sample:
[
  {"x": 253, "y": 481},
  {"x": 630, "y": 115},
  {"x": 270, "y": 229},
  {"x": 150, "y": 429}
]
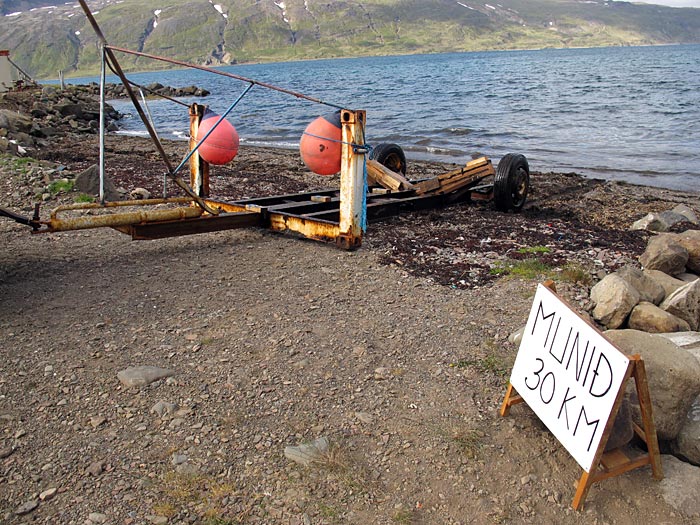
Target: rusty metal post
[
  {"x": 352, "y": 179},
  {"x": 199, "y": 168}
]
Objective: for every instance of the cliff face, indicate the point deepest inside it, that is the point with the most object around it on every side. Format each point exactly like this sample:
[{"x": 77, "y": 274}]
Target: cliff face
[{"x": 45, "y": 38}]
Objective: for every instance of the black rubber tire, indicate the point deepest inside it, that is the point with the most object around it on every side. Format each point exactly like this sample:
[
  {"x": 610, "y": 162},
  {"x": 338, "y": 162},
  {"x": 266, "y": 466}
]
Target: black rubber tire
[
  {"x": 512, "y": 183},
  {"x": 390, "y": 156}
]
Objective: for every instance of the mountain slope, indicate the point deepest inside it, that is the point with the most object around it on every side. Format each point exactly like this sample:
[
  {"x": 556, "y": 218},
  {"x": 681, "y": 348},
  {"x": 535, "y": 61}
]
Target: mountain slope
[{"x": 45, "y": 38}]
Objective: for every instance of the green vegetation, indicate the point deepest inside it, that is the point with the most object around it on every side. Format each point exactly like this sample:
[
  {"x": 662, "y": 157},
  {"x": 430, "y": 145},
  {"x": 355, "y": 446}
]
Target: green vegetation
[
  {"x": 84, "y": 198},
  {"x": 60, "y": 186},
  {"x": 490, "y": 364},
  {"x": 531, "y": 268},
  {"x": 43, "y": 42}
]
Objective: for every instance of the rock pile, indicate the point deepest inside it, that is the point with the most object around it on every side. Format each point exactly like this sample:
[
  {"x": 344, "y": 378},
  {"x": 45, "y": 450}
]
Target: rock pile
[
  {"x": 655, "y": 312},
  {"x": 113, "y": 91},
  {"x": 28, "y": 118}
]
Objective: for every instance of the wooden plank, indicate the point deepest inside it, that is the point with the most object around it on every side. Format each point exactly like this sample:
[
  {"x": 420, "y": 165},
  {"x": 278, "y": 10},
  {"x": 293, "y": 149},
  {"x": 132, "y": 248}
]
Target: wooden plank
[
  {"x": 613, "y": 459},
  {"x": 320, "y": 198},
  {"x": 376, "y": 173}
]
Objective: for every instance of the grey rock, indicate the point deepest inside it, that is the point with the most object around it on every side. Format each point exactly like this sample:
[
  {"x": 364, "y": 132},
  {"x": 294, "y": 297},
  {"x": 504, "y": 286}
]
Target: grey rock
[
  {"x": 649, "y": 290},
  {"x": 668, "y": 283},
  {"x": 143, "y": 375},
  {"x": 97, "y": 517},
  {"x": 651, "y": 222},
  {"x": 89, "y": 182},
  {"x": 679, "y": 488},
  {"x": 650, "y": 318},
  {"x": 614, "y": 299},
  {"x": 687, "y": 277},
  {"x": 140, "y": 194},
  {"x": 96, "y": 468},
  {"x": 684, "y": 303},
  {"x": 517, "y": 336},
  {"x": 664, "y": 253},
  {"x": 687, "y": 212},
  {"x": 307, "y": 453},
  {"x": 27, "y": 507},
  {"x": 48, "y": 494},
  {"x": 163, "y": 408},
  {"x": 673, "y": 375},
  {"x": 15, "y": 122},
  {"x": 688, "y": 440},
  {"x": 690, "y": 240}
]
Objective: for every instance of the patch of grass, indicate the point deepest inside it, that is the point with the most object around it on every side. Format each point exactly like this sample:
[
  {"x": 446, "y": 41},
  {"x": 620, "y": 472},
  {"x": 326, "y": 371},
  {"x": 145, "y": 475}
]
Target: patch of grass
[
  {"x": 84, "y": 198},
  {"x": 60, "y": 186},
  {"x": 530, "y": 268},
  {"x": 164, "y": 509},
  {"x": 403, "y": 517},
  {"x": 490, "y": 364},
  {"x": 575, "y": 273},
  {"x": 534, "y": 250},
  {"x": 467, "y": 441},
  {"x": 181, "y": 490}
]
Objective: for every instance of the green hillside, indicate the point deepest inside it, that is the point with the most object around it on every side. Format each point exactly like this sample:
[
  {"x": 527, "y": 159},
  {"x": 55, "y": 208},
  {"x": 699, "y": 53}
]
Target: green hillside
[{"x": 50, "y": 38}]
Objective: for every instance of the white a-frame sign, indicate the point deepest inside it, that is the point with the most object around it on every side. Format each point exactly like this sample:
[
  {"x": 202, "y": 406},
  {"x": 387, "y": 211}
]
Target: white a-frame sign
[{"x": 573, "y": 379}]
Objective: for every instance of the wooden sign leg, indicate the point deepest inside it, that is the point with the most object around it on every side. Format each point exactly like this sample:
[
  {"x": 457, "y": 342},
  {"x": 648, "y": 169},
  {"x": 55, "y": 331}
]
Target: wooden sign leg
[
  {"x": 584, "y": 483},
  {"x": 511, "y": 398},
  {"x": 650, "y": 437}
]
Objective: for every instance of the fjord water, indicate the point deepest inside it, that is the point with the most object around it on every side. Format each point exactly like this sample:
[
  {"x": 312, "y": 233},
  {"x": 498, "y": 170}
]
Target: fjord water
[{"x": 627, "y": 114}]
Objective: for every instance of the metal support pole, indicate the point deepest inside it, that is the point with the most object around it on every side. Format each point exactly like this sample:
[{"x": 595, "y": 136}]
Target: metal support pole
[
  {"x": 352, "y": 179},
  {"x": 102, "y": 124},
  {"x": 199, "y": 168}
]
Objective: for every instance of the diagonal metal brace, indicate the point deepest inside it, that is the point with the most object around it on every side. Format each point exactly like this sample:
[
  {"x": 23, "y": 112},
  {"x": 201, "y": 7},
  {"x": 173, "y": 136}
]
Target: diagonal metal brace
[{"x": 134, "y": 100}]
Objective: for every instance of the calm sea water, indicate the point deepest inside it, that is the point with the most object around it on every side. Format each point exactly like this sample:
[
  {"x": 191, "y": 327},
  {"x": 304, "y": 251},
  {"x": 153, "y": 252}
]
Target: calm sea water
[{"x": 628, "y": 113}]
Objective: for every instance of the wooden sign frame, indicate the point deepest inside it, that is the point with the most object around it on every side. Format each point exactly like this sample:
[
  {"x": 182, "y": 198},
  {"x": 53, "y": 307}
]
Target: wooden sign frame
[{"x": 614, "y": 462}]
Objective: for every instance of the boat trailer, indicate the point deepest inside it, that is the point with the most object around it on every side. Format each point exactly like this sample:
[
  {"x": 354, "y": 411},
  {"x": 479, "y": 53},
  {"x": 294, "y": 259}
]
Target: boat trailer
[
  {"x": 370, "y": 189},
  {"x": 373, "y": 184}
]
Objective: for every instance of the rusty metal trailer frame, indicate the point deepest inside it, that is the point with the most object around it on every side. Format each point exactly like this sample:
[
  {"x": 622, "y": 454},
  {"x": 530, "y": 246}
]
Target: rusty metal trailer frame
[{"x": 335, "y": 215}]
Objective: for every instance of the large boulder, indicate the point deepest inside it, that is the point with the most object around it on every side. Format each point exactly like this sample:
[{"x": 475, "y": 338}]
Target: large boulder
[
  {"x": 614, "y": 299},
  {"x": 684, "y": 303},
  {"x": 687, "y": 212},
  {"x": 668, "y": 283},
  {"x": 673, "y": 375},
  {"x": 664, "y": 253},
  {"x": 688, "y": 440},
  {"x": 679, "y": 487},
  {"x": 649, "y": 290},
  {"x": 690, "y": 240},
  {"x": 650, "y": 318},
  {"x": 88, "y": 182},
  {"x": 15, "y": 122}
]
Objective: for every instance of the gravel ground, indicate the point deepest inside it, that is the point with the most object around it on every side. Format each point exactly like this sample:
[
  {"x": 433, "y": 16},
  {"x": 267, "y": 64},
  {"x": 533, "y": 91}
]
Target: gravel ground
[{"x": 396, "y": 353}]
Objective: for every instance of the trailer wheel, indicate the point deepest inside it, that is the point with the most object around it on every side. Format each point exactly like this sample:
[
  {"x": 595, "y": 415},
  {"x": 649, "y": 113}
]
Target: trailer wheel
[
  {"x": 511, "y": 183},
  {"x": 390, "y": 156}
]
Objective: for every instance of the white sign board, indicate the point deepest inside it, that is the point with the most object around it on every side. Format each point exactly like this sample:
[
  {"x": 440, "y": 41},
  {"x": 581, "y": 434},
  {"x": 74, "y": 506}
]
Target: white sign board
[{"x": 568, "y": 374}]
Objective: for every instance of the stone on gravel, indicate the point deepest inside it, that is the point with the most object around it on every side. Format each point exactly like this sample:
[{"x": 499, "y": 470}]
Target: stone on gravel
[
  {"x": 163, "y": 408},
  {"x": 517, "y": 336},
  {"x": 27, "y": 507},
  {"x": 679, "y": 488},
  {"x": 48, "y": 494},
  {"x": 673, "y": 374},
  {"x": 666, "y": 254},
  {"x": 143, "y": 375},
  {"x": 690, "y": 240},
  {"x": 688, "y": 440},
  {"x": 614, "y": 299},
  {"x": 684, "y": 303},
  {"x": 649, "y": 290},
  {"x": 307, "y": 453},
  {"x": 648, "y": 317},
  {"x": 97, "y": 517},
  {"x": 95, "y": 468},
  {"x": 6, "y": 451}
]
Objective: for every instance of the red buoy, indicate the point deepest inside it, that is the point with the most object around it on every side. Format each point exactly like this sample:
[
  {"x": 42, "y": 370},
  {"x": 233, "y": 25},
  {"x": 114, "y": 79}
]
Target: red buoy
[
  {"x": 320, "y": 144},
  {"x": 222, "y": 145}
]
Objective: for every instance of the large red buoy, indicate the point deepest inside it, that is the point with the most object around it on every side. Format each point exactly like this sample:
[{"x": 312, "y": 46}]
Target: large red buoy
[
  {"x": 222, "y": 145},
  {"x": 320, "y": 144}
]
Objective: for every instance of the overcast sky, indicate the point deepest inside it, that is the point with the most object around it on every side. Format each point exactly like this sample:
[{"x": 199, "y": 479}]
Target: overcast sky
[{"x": 672, "y": 3}]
